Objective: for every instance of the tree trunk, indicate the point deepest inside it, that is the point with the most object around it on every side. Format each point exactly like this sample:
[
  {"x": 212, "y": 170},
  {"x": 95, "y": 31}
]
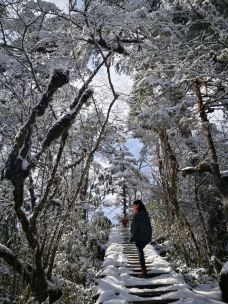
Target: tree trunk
[
  {"x": 41, "y": 287},
  {"x": 124, "y": 201},
  {"x": 220, "y": 182},
  {"x": 83, "y": 193},
  {"x": 203, "y": 224},
  {"x": 170, "y": 166}
]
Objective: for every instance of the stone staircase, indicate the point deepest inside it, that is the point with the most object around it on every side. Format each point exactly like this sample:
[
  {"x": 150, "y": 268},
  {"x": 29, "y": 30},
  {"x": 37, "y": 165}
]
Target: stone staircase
[
  {"x": 146, "y": 290},
  {"x": 119, "y": 283}
]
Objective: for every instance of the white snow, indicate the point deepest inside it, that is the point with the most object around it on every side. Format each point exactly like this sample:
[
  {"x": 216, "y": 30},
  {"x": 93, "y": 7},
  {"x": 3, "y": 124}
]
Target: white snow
[
  {"x": 224, "y": 173},
  {"x": 25, "y": 165},
  {"x": 225, "y": 268},
  {"x": 116, "y": 276}
]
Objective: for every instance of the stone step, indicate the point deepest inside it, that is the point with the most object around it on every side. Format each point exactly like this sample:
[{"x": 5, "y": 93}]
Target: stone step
[
  {"x": 134, "y": 256},
  {"x": 149, "y": 275},
  {"x": 151, "y": 301},
  {"x": 127, "y": 244},
  {"x": 138, "y": 269},
  {"x": 129, "y": 249},
  {"x": 149, "y": 286},
  {"x": 136, "y": 264},
  {"x": 136, "y": 261},
  {"x": 151, "y": 293}
]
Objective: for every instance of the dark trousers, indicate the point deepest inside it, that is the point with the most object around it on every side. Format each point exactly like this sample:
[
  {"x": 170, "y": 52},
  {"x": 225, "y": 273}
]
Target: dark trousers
[{"x": 140, "y": 246}]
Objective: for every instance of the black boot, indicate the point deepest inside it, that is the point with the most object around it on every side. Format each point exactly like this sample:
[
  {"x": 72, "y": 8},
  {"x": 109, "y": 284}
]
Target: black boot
[{"x": 144, "y": 272}]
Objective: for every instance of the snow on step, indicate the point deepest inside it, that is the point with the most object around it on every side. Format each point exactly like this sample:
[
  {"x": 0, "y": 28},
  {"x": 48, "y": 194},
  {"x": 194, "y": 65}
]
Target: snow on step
[
  {"x": 117, "y": 284},
  {"x": 149, "y": 293},
  {"x": 149, "y": 275},
  {"x": 167, "y": 301}
]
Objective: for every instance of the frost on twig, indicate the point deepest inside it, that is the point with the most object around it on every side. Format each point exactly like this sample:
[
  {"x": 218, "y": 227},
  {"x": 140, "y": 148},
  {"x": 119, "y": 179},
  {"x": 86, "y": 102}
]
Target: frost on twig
[{"x": 201, "y": 168}]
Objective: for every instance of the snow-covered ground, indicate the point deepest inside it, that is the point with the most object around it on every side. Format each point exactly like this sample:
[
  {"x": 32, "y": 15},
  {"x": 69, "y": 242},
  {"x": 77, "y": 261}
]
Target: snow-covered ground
[{"x": 115, "y": 278}]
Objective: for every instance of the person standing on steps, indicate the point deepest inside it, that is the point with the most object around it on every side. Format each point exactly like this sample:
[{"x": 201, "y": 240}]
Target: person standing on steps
[{"x": 140, "y": 232}]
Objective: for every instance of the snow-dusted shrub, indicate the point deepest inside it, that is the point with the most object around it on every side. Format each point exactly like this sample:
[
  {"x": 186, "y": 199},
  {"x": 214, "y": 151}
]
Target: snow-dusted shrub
[
  {"x": 4, "y": 285},
  {"x": 194, "y": 277},
  {"x": 73, "y": 293},
  {"x": 82, "y": 250},
  {"x": 166, "y": 248}
]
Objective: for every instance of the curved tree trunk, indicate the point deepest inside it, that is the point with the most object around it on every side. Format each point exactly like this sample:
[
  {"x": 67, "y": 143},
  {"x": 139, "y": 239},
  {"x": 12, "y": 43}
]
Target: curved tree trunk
[
  {"x": 168, "y": 168},
  {"x": 220, "y": 181}
]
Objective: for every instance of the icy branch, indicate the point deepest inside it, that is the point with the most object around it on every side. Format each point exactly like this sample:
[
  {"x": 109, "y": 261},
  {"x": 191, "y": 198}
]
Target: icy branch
[{"x": 201, "y": 168}]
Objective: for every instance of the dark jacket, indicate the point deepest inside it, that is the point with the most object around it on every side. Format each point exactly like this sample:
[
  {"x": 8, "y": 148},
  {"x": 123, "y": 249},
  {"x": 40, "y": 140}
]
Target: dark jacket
[{"x": 141, "y": 228}]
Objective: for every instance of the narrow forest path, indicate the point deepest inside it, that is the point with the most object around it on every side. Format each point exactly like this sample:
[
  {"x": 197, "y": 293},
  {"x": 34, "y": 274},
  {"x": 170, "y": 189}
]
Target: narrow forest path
[{"x": 118, "y": 281}]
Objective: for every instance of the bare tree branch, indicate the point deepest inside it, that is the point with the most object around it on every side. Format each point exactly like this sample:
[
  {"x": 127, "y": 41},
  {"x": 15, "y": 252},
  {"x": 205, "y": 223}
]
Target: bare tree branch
[{"x": 12, "y": 260}]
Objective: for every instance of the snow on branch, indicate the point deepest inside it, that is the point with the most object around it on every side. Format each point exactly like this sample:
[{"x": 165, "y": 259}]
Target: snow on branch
[
  {"x": 59, "y": 78},
  {"x": 224, "y": 173},
  {"x": 201, "y": 168},
  {"x": 118, "y": 48},
  {"x": 18, "y": 167},
  {"x": 88, "y": 81},
  {"x": 64, "y": 123},
  {"x": 14, "y": 166}
]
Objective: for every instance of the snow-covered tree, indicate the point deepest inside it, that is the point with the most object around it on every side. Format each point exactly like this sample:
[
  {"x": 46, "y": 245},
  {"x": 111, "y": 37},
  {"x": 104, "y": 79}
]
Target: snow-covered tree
[
  {"x": 54, "y": 121},
  {"x": 41, "y": 73},
  {"x": 127, "y": 180},
  {"x": 179, "y": 84}
]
